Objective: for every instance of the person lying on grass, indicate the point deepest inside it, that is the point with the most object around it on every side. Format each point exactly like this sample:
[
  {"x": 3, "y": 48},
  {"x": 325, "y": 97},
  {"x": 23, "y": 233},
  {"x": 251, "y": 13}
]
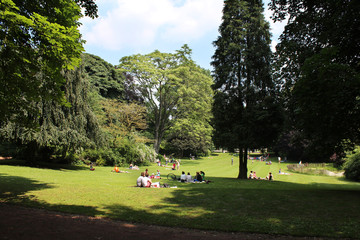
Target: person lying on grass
[
  {"x": 133, "y": 167},
  {"x": 283, "y": 173},
  {"x": 117, "y": 170}
]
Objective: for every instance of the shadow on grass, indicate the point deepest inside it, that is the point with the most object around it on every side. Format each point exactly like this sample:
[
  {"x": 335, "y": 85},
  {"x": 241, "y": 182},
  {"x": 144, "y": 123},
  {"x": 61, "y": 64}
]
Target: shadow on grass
[
  {"x": 255, "y": 206},
  {"x": 225, "y": 204},
  {"x": 13, "y": 190},
  {"x": 44, "y": 165}
]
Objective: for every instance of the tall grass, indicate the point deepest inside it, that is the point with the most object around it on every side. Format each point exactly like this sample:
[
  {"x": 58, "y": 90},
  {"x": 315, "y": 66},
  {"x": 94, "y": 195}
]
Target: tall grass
[{"x": 296, "y": 204}]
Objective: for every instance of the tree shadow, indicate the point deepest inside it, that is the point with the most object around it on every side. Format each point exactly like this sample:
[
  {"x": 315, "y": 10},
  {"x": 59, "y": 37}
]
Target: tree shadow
[
  {"x": 43, "y": 165},
  {"x": 14, "y": 187},
  {"x": 13, "y": 190},
  {"x": 257, "y": 206}
]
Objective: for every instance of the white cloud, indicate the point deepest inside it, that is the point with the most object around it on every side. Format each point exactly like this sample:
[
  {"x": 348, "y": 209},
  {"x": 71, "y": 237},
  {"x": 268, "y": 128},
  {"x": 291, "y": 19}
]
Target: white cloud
[{"x": 140, "y": 23}]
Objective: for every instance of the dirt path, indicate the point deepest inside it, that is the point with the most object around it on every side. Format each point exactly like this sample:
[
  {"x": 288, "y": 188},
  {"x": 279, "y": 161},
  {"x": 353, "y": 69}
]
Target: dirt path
[{"x": 26, "y": 223}]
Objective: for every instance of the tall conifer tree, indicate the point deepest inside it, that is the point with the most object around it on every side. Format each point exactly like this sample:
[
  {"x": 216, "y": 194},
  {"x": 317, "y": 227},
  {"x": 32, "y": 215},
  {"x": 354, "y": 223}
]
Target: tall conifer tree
[{"x": 245, "y": 111}]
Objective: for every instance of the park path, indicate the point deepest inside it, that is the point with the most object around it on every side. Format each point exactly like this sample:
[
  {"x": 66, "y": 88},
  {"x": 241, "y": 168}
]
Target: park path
[{"x": 20, "y": 223}]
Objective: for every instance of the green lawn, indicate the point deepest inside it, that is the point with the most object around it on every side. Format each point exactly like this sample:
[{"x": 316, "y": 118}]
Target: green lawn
[{"x": 296, "y": 204}]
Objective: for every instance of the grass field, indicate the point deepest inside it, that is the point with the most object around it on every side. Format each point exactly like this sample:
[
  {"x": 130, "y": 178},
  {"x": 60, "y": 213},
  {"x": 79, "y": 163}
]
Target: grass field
[{"x": 296, "y": 204}]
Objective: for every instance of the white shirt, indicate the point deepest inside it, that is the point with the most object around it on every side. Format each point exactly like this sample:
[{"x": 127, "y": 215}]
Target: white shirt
[
  {"x": 139, "y": 180},
  {"x": 188, "y": 178},
  {"x": 144, "y": 181},
  {"x": 183, "y": 177}
]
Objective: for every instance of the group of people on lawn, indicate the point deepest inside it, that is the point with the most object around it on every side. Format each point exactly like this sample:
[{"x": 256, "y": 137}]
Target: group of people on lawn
[
  {"x": 252, "y": 175},
  {"x": 145, "y": 181},
  {"x": 199, "y": 177}
]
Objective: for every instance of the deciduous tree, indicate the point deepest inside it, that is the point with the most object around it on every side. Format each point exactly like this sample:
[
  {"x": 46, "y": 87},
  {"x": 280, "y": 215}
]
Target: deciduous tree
[
  {"x": 318, "y": 62},
  {"x": 38, "y": 39},
  {"x": 159, "y": 77},
  {"x": 191, "y": 130}
]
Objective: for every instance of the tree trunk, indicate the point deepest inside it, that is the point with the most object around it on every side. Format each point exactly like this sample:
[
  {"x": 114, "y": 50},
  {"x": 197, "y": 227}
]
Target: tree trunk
[
  {"x": 157, "y": 142},
  {"x": 242, "y": 163}
]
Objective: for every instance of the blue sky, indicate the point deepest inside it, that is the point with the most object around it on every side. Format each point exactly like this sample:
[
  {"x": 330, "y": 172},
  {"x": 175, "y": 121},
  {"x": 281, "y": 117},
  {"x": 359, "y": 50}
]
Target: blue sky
[{"x": 127, "y": 27}]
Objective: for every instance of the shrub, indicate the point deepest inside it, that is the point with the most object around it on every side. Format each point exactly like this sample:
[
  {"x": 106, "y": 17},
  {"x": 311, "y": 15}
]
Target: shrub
[
  {"x": 161, "y": 158},
  {"x": 100, "y": 161},
  {"x": 352, "y": 166}
]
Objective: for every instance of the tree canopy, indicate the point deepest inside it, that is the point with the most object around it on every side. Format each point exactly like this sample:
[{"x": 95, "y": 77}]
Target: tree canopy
[
  {"x": 104, "y": 77},
  {"x": 162, "y": 79},
  {"x": 63, "y": 130},
  {"x": 318, "y": 63},
  {"x": 38, "y": 39},
  {"x": 191, "y": 129}
]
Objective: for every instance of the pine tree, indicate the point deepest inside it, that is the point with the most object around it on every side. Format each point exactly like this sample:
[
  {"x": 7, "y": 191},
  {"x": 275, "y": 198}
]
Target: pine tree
[{"x": 245, "y": 110}]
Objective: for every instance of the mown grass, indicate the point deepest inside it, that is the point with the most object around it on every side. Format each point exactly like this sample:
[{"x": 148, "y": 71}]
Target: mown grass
[{"x": 296, "y": 204}]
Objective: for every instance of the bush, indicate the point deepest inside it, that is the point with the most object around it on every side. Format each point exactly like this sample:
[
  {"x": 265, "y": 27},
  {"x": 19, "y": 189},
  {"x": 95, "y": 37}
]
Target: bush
[
  {"x": 100, "y": 162},
  {"x": 161, "y": 158},
  {"x": 127, "y": 151},
  {"x": 352, "y": 166},
  {"x": 104, "y": 156}
]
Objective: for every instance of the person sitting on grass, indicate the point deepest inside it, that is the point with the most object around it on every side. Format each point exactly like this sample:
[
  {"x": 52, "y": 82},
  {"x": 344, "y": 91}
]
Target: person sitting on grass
[
  {"x": 188, "y": 177},
  {"x": 91, "y": 167},
  {"x": 202, "y": 175},
  {"x": 174, "y": 166},
  {"x": 183, "y": 177},
  {"x": 254, "y": 175},
  {"x": 139, "y": 180},
  {"x": 158, "y": 174},
  {"x": 198, "y": 177},
  {"x": 251, "y": 175},
  {"x": 146, "y": 182},
  {"x": 269, "y": 177},
  {"x": 116, "y": 169}
]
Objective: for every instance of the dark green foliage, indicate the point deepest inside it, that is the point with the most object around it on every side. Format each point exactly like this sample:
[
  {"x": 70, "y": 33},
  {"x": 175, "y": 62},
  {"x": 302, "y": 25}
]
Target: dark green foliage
[
  {"x": 102, "y": 156},
  {"x": 352, "y": 166},
  {"x": 246, "y": 109},
  {"x": 121, "y": 122},
  {"x": 38, "y": 39},
  {"x": 318, "y": 62},
  {"x": 103, "y": 76},
  {"x": 63, "y": 130}
]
